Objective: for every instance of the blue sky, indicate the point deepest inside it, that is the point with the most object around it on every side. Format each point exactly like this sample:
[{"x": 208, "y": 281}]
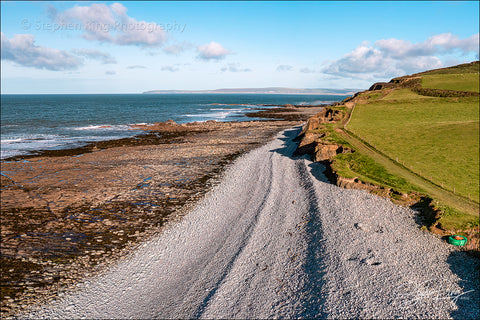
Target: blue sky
[{"x": 131, "y": 47}]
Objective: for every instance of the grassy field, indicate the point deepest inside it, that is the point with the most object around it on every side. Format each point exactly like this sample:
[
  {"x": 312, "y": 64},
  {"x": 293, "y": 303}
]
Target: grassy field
[
  {"x": 459, "y": 82},
  {"x": 438, "y": 138},
  {"x": 359, "y": 165},
  {"x": 371, "y": 166},
  {"x": 410, "y": 140}
]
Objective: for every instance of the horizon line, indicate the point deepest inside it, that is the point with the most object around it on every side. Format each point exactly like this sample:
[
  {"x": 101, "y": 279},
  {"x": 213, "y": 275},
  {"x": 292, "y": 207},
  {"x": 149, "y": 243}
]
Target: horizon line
[{"x": 211, "y": 91}]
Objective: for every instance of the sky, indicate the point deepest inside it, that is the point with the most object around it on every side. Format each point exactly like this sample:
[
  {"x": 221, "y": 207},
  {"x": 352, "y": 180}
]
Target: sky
[{"x": 132, "y": 47}]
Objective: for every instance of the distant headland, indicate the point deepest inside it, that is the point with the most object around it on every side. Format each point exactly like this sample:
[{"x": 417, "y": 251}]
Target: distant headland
[{"x": 268, "y": 90}]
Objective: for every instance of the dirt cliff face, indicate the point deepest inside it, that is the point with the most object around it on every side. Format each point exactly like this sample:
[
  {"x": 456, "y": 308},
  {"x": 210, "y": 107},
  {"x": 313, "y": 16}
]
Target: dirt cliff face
[
  {"x": 326, "y": 151},
  {"x": 316, "y": 140},
  {"x": 314, "y": 136}
]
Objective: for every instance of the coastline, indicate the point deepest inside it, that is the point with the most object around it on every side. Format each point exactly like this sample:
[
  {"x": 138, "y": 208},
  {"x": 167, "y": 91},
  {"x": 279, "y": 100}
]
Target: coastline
[
  {"x": 253, "y": 246},
  {"x": 27, "y": 131},
  {"x": 67, "y": 214}
]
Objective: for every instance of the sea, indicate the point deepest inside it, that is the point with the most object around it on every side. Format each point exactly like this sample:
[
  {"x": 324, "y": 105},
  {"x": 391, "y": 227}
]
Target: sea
[{"x": 30, "y": 123}]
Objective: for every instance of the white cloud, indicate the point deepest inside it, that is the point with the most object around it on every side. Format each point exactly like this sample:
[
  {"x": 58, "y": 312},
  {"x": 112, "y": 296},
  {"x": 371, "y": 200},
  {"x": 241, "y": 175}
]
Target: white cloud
[
  {"x": 362, "y": 59},
  {"x": 170, "y": 68},
  {"x": 212, "y": 51},
  {"x": 119, "y": 9},
  {"x": 394, "y": 57},
  {"x": 414, "y": 64},
  {"x": 22, "y": 50},
  {"x": 284, "y": 67},
  {"x": 438, "y": 44},
  {"x": 103, "y": 57},
  {"x": 307, "y": 70},
  {"x": 234, "y": 67},
  {"x": 178, "y": 48},
  {"x": 112, "y": 24},
  {"x": 110, "y": 72},
  {"x": 136, "y": 67}
]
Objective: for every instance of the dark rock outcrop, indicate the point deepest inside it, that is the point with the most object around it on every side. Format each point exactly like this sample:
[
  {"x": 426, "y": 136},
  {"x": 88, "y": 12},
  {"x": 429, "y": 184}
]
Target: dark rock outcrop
[{"x": 381, "y": 85}]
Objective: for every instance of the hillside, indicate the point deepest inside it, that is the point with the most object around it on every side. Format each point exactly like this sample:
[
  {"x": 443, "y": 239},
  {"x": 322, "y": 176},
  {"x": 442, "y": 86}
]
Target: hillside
[{"x": 414, "y": 139}]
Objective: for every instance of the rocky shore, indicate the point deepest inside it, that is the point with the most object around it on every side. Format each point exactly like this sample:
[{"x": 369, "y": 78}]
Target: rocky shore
[
  {"x": 67, "y": 214},
  {"x": 274, "y": 240}
]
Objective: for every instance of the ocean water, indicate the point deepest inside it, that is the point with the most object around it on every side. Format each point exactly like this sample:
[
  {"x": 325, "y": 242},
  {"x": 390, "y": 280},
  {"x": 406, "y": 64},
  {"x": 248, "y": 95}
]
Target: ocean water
[{"x": 44, "y": 122}]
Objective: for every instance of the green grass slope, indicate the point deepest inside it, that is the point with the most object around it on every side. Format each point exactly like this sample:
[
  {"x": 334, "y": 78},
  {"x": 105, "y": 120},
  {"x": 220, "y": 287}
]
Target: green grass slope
[
  {"x": 438, "y": 138},
  {"x": 425, "y": 130},
  {"x": 459, "y": 82}
]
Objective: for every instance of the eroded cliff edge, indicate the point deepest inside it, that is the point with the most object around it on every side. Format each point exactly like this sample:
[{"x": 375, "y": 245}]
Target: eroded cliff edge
[{"x": 325, "y": 139}]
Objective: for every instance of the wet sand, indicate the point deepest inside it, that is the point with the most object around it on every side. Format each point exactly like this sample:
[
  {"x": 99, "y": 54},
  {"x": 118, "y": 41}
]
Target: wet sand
[{"x": 66, "y": 214}]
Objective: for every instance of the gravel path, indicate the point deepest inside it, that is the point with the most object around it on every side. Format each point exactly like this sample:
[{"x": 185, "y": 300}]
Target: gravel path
[{"x": 275, "y": 240}]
